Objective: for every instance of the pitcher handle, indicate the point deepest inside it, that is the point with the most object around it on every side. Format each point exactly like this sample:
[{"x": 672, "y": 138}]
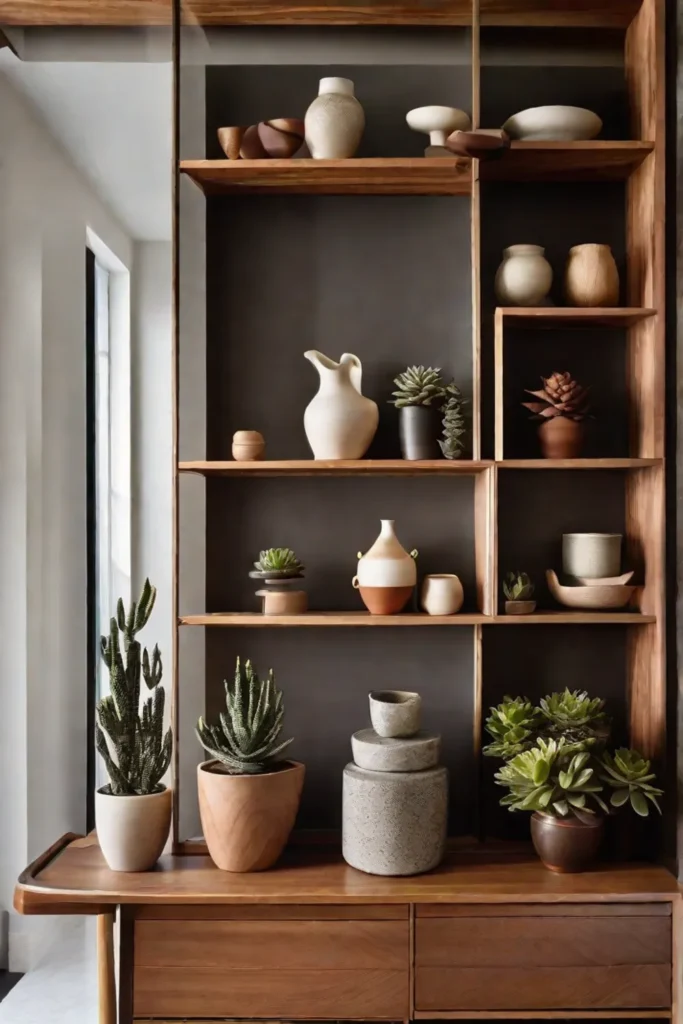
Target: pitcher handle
[{"x": 414, "y": 553}]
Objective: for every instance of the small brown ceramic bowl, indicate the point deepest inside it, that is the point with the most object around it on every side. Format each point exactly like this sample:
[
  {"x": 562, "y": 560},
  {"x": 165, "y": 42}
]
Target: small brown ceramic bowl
[{"x": 281, "y": 137}]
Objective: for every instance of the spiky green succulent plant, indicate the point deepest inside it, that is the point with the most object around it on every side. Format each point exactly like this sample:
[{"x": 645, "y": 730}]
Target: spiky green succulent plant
[
  {"x": 453, "y": 423},
  {"x": 279, "y": 560},
  {"x": 247, "y": 741},
  {"x": 513, "y": 726},
  {"x": 575, "y": 716},
  {"x": 553, "y": 778},
  {"x": 418, "y": 385},
  {"x": 131, "y": 739},
  {"x": 517, "y": 586},
  {"x": 628, "y": 773}
]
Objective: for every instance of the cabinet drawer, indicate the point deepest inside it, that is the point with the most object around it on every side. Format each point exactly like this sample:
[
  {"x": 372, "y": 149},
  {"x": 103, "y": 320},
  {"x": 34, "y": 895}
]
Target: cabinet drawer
[
  {"x": 551, "y": 961},
  {"x": 275, "y": 994}
]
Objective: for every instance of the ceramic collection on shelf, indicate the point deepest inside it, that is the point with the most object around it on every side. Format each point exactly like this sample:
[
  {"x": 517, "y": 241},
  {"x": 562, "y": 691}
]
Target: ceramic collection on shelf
[
  {"x": 591, "y": 277},
  {"x": 395, "y": 795},
  {"x": 386, "y": 574},
  {"x": 339, "y": 421},
  {"x": 592, "y": 563}
]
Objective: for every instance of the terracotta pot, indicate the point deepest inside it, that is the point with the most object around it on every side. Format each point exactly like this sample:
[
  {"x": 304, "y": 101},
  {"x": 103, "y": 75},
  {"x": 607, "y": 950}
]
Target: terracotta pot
[
  {"x": 591, "y": 277},
  {"x": 561, "y": 438},
  {"x": 132, "y": 830},
  {"x": 248, "y": 446},
  {"x": 247, "y": 819},
  {"x": 519, "y": 607},
  {"x": 383, "y": 600},
  {"x": 566, "y": 845}
]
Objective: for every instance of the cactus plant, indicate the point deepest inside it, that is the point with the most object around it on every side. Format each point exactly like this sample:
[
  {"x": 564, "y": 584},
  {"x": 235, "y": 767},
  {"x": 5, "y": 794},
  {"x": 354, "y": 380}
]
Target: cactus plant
[
  {"x": 517, "y": 586},
  {"x": 629, "y": 775},
  {"x": 418, "y": 385},
  {"x": 553, "y": 778},
  {"x": 513, "y": 726},
  {"x": 281, "y": 560},
  {"x": 130, "y": 739},
  {"x": 453, "y": 423},
  {"x": 574, "y": 715},
  {"x": 247, "y": 740}
]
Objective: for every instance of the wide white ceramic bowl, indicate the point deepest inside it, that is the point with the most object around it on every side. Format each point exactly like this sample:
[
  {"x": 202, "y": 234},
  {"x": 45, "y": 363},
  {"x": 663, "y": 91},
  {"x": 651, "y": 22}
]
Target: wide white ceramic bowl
[
  {"x": 589, "y": 598},
  {"x": 553, "y": 124}
]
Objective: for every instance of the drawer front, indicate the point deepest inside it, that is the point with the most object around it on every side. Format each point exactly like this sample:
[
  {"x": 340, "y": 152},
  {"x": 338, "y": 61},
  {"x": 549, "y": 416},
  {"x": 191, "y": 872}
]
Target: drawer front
[
  {"x": 551, "y": 961},
  {"x": 277, "y": 968},
  {"x": 275, "y": 994},
  {"x": 276, "y": 945}
]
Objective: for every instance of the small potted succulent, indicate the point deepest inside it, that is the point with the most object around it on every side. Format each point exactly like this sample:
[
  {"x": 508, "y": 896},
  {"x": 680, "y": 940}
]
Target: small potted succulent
[
  {"x": 418, "y": 396},
  {"x": 279, "y": 570},
  {"x": 248, "y": 793},
  {"x": 277, "y": 564},
  {"x": 453, "y": 423},
  {"x": 557, "y": 767},
  {"x": 562, "y": 407},
  {"x": 133, "y": 812},
  {"x": 519, "y": 591}
]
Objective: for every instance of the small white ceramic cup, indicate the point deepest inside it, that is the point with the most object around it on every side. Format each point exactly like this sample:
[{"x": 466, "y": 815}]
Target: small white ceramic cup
[
  {"x": 395, "y": 712},
  {"x": 441, "y": 594},
  {"x": 592, "y": 555}
]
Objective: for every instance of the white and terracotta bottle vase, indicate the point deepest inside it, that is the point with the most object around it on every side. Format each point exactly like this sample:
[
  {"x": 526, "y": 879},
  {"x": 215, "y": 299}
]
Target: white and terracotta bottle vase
[
  {"x": 334, "y": 121},
  {"x": 524, "y": 277},
  {"x": 386, "y": 574},
  {"x": 340, "y": 422}
]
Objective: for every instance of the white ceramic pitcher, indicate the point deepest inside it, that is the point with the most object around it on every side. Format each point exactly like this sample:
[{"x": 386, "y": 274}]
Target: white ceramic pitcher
[{"x": 339, "y": 422}]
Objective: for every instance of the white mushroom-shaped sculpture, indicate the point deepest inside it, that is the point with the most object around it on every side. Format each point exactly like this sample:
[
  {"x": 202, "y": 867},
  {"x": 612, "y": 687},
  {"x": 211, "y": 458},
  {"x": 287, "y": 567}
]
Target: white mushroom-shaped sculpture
[{"x": 437, "y": 122}]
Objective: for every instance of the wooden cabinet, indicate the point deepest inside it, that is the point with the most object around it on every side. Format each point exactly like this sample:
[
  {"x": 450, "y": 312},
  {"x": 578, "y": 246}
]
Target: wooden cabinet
[
  {"x": 274, "y": 968},
  {"x": 588, "y": 957}
]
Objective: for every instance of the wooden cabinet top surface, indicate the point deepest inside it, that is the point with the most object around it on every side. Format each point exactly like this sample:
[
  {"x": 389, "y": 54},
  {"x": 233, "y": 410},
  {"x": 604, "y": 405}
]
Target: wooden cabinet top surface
[{"x": 73, "y": 873}]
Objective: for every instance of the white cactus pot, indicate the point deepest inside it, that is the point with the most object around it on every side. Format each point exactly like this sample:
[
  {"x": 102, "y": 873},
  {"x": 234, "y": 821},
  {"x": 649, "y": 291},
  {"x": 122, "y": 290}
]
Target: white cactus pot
[{"x": 132, "y": 830}]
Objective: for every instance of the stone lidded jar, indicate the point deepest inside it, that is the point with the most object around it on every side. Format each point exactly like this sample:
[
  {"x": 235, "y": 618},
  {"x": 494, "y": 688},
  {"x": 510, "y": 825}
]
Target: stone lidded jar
[
  {"x": 591, "y": 277},
  {"x": 339, "y": 421},
  {"x": 524, "y": 277},
  {"x": 334, "y": 121},
  {"x": 386, "y": 574}
]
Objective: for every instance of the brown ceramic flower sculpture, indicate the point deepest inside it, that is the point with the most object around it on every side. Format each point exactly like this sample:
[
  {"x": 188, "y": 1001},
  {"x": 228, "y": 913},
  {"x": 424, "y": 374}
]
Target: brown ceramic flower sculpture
[
  {"x": 562, "y": 408},
  {"x": 279, "y": 138}
]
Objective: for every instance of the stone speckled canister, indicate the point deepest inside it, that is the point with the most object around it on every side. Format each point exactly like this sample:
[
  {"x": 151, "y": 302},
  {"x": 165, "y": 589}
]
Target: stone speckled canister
[{"x": 394, "y": 823}]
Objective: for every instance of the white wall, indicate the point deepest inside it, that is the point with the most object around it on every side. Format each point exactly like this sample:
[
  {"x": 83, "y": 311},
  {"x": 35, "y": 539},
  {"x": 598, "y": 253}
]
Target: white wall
[{"x": 45, "y": 208}]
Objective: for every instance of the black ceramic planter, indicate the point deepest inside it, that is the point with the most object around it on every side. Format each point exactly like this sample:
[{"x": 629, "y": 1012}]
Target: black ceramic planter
[{"x": 418, "y": 430}]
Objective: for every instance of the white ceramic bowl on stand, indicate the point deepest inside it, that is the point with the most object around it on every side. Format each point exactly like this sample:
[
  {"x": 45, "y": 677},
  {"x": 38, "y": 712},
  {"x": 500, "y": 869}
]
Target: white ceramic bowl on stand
[{"x": 438, "y": 122}]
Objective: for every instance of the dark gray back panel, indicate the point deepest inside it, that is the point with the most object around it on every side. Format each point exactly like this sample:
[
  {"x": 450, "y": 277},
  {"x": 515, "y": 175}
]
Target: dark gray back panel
[{"x": 326, "y": 675}]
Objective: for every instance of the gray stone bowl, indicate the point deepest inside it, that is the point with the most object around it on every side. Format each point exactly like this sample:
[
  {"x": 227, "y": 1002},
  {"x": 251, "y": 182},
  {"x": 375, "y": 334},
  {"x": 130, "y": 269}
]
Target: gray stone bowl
[
  {"x": 395, "y": 712},
  {"x": 391, "y": 754}
]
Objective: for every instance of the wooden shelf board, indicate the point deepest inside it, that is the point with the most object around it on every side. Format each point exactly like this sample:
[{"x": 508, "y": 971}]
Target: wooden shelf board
[
  {"x": 74, "y": 872},
  {"x": 440, "y": 176},
  {"x": 578, "y": 463},
  {"x": 355, "y": 467},
  {"x": 597, "y": 160},
  {"x": 364, "y": 619},
  {"x": 535, "y": 1015},
  {"x": 548, "y": 318},
  {"x": 327, "y": 619}
]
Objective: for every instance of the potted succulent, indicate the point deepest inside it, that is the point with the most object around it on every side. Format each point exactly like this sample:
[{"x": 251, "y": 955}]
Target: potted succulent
[
  {"x": 418, "y": 396},
  {"x": 277, "y": 564},
  {"x": 248, "y": 794},
  {"x": 519, "y": 591},
  {"x": 562, "y": 407},
  {"x": 556, "y": 767},
  {"x": 279, "y": 570},
  {"x": 133, "y": 812},
  {"x": 453, "y": 423}
]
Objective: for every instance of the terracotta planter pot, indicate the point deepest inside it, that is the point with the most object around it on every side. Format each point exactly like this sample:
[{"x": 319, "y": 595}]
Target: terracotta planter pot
[
  {"x": 132, "y": 830},
  {"x": 561, "y": 438},
  {"x": 566, "y": 845},
  {"x": 247, "y": 819}
]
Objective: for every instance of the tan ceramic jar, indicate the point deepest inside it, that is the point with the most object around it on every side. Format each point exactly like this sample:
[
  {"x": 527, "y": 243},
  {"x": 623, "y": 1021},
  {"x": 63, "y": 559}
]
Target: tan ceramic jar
[
  {"x": 248, "y": 446},
  {"x": 591, "y": 277}
]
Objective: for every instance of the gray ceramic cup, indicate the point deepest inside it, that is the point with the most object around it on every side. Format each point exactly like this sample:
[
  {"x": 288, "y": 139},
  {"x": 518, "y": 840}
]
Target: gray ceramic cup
[
  {"x": 395, "y": 712},
  {"x": 591, "y": 555}
]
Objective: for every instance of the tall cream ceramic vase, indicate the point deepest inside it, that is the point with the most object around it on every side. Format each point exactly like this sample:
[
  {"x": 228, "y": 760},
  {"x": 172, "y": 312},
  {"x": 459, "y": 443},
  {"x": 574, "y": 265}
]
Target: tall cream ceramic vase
[
  {"x": 339, "y": 422},
  {"x": 334, "y": 121},
  {"x": 591, "y": 277},
  {"x": 132, "y": 830},
  {"x": 247, "y": 819},
  {"x": 524, "y": 277}
]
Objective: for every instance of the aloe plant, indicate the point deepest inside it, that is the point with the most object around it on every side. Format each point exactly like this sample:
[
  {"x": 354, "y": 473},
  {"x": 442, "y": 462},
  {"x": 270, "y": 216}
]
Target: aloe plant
[
  {"x": 513, "y": 726},
  {"x": 628, "y": 773},
  {"x": 517, "y": 586},
  {"x": 247, "y": 740},
  {"x": 553, "y": 778}
]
